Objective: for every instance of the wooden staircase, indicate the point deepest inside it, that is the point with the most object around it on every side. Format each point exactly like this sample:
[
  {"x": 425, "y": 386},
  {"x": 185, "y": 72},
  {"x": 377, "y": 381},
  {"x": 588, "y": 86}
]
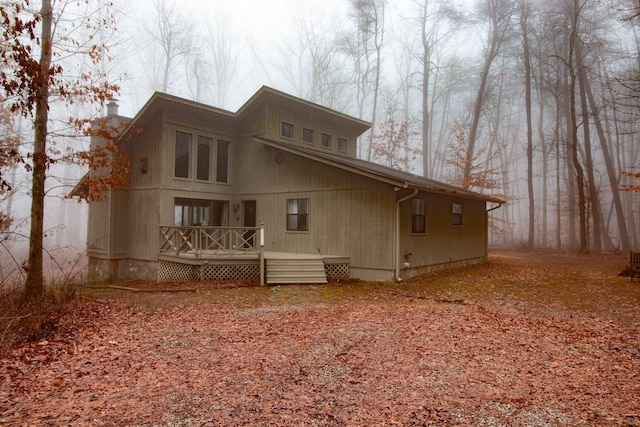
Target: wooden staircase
[{"x": 294, "y": 268}]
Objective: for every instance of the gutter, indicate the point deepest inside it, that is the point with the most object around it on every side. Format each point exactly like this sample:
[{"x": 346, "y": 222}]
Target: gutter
[
  {"x": 396, "y": 249},
  {"x": 494, "y": 208}
]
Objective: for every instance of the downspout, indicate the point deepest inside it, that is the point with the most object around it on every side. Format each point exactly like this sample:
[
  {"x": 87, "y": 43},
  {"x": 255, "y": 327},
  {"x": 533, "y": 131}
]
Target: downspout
[{"x": 396, "y": 251}]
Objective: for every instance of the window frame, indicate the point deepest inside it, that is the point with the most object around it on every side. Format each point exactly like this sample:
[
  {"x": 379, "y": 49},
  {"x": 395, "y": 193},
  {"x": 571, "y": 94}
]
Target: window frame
[
  {"x": 187, "y": 157},
  {"x": 300, "y": 226},
  {"x": 329, "y": 138},
  {"x": 418, "y": 213},
  {"x": 312, "y": 134},
  {"x": 341, "y": 142},
  {"x": 209, "y": 162},
  {"x": 216, "y": 212},
  {"x": 456, "y": 214},
  {"x": 227, "y": 163},
  {"x": 177, "y": 156},
  {"x": 291, "y": 130}
]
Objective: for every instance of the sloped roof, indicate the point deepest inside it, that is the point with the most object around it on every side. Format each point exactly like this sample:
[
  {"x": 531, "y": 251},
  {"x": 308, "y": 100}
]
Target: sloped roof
[
  {"x": 381, "y": 173},
  {"x": 266, "y": 95}
]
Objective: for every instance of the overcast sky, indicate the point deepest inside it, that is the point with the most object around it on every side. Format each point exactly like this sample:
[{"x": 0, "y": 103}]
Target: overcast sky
[{"x": 260, "y": 25}]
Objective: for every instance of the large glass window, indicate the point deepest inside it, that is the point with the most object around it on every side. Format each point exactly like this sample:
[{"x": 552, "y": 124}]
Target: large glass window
[
  {"x": 222, "y": 161},
  {"x": 182, "y": 155},
  {"x": 456, "y": 214},
  {"x": 298, "y": 214},
  {"x": 198, "y": 212},
  {"x": 203, "y": 169},
  {"x": 418, "y": 215},
  {"x": 188, "y": 146}
]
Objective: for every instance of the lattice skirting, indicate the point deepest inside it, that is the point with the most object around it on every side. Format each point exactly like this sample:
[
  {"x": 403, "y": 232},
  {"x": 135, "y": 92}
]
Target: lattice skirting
[
  {"x": 337, "y": 271},
  {"x": 177, "y": 272},
  {"x": 229, "y": 271}
]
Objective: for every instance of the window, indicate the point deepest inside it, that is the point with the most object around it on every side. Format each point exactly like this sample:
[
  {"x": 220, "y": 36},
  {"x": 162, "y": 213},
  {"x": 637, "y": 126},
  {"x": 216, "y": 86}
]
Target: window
[
  {"x": 342, "y": 145},
  {"x": 298, "y": 214},
  {"x": 326, "y": 140},
  {"x": 182, "y": 155},
  {"x": 456, "y": 214},
  {"x": 222, "y": 161},
  {"x": 307, "y": 135},
  {"x": 198, "y": 212},
  {"x": 203, "y": 161},
  {"x": 418, "y": 215},
  {"x": 286, "y": 130}
]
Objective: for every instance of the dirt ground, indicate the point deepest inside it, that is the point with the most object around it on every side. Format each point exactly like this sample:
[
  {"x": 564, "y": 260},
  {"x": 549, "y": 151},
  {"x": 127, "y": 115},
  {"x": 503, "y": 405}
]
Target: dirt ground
[{"x": 527, "y": 339}]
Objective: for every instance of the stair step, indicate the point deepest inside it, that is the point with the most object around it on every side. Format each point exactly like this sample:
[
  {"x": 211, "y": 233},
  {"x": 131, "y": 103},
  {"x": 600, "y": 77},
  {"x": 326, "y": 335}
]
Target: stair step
[{"x": 296, "y": 270}]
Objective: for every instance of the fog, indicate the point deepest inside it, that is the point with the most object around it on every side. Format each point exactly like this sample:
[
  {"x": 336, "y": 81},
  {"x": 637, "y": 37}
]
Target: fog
[{"x": 459, "y": 91}]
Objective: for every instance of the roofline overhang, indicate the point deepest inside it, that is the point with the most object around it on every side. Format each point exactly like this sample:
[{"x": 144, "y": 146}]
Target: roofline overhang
[
  {"x": 361, "y": 125},
  {"x": 379, "y": 177}
]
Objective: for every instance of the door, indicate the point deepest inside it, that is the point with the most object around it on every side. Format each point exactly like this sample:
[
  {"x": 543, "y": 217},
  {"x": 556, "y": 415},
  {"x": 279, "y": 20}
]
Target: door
[{"x": 249, "y": 220}]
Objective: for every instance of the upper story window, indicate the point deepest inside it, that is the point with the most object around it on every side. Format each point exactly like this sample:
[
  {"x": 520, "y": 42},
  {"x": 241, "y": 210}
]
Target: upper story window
[
  {"x": 418, "y": 216},
  {"x": 342, "y": 145},
  {"x": 326, "y": 140},
  {"x": 182, "y": 165},
  {"x": 307, "y": 135},
  {"x": 196, "y": 153},
  {"x": 222, "y": 161},
  {"x": 298, "y": 214},
  {"x": 203, "y": 158},
  {"x": 456, "y": 214},
  {"x": 286, "y": 130}
]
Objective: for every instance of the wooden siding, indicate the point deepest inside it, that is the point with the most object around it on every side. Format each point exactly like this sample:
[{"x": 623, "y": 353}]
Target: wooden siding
[
  {"x": 349, "y": 215},
  {"x": 443, "y": 242},
  {"x": 276, "y": 114}
]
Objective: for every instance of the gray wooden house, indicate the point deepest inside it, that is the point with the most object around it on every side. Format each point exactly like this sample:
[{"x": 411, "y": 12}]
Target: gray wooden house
[{"x": 273, "y": 190}]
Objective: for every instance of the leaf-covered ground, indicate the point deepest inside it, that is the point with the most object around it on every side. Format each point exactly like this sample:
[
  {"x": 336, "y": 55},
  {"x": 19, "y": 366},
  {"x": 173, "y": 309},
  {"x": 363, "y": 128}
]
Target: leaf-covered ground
[{"x": 524, "y": 340}]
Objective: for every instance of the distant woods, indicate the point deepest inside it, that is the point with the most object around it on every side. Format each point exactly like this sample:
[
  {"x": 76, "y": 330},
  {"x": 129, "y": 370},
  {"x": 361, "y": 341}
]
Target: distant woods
[
  {"x": 532, "y": 101},
  {"x": 536, "y": 102}
]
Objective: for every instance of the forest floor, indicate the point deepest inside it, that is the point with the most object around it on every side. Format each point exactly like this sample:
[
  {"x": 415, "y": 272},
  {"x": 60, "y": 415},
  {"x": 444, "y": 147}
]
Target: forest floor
[{"x": 527, "y": 339}]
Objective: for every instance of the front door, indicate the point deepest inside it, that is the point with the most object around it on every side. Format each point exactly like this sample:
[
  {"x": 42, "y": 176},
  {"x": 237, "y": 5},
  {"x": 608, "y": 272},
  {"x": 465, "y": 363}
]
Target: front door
[{"x": 249, "y": 220}]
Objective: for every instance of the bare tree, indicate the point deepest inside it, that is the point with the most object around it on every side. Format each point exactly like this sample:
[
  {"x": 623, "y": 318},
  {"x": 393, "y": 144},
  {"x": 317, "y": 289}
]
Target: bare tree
[
  {"x": 39, "y": 80},
  {"x": 499, "y": 14},
  {"x": 436, "y": 21},
  {"x": 172, "y": 38},
  {"x": 223, "y": 49},
  {"x": 365, "y": 49}
]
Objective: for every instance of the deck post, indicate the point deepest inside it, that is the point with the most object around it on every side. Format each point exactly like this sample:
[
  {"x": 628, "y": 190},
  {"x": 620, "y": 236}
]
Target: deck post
[{"x": 261, "y": 253}]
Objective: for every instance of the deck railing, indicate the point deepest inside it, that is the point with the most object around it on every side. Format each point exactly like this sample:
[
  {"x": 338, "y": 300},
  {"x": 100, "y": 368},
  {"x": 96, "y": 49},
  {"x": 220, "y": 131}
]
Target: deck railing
[{"x": 196, "y": 241}]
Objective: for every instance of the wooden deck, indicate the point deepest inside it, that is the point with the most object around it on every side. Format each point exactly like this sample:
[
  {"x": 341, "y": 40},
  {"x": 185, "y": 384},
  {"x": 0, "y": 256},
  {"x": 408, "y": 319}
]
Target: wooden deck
[{"x": 207, "y": 247}]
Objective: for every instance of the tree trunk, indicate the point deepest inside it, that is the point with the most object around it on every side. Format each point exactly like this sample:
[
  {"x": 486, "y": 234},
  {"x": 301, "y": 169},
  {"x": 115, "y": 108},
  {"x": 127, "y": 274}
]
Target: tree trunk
[
  {"x": 573, "y": 141},
  {"x": 594, "y": 201},
  {"x": 34, "y": 286},
  {"x": 524, "y": 13},
  {"x": 426, "y": 74},
  {"x": 612, "y": 173}
]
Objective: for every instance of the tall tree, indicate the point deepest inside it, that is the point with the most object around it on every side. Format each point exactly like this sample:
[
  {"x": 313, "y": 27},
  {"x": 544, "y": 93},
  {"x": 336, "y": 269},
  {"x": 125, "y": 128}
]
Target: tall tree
[
  {"x": 499, "y": 14},
  {"x": 36, "y": 82},
  {"x": 172, "y": 38},
  {"x": 432, "y": 20},
  {"x": 365, "y": 49},
  {"x": 525, "y": 15}
]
